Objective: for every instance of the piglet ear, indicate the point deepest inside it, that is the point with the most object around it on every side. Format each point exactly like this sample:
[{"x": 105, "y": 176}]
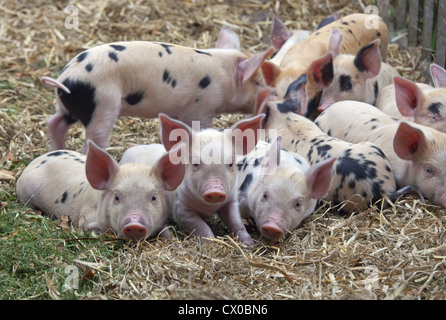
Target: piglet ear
[
  {"x": 270, "y": 72},
  {"x": 173, "y": 132},
  {"x": 261, "y": 100},
  {"x": 100, "y": 167},
  {"x": 368, "y": 59},
  {"x": 297, "y": 93},
  {"x": 319, "y": 178},
  {"x": 321, "y": 71},
  {"x": 407, "y": 141},
  {"x": 247, "y": 67},
  {"x": 271, "y": 160},
  {"x": 407, "y": 95},
  {"x": 227, "y": 39},
  {"x": 334, "y": 43},
  {"x": 438, "y": 75},
  {"x": 171, "y": 174},
  {"x": 246, "y": 134},
  {"x": 279, "y": 32}
]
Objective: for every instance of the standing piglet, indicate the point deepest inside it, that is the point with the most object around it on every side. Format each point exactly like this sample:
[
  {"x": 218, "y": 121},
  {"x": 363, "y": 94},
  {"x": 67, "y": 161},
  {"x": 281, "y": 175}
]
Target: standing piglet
[
  {"x": 415, "y": 102},
  {"x": 142, "y": 79},
  {"x": 211, "y": 180},
  {"x": 357, "y": 77},
  {"x": 361, "y": 173},
  {"x": 279, "y": 189},
  {"x": 355, "y": 33},
  {"x": 98, "y": 194},
  {"x": 416, "y": 153}
]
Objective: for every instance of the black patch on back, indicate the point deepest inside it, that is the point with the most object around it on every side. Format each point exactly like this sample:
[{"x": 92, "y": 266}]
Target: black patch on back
[
  {"x": 134, "y": 98},
  {"x": 345, "y": 83},
  {"x": 322, "y": 150},
  {"x": 112, "y": 55},
  {"x": 167, "y": 47},
  {"x": 80, "y": 103},
  {"x": 358, "y": 58},
  {"x": 89, "y": 67},
  {"x": 246, "y": 183},
  {"x": 204, "y": 82},
  {"x": 81, "y": 57},
  {"x": 57, "y": 153},
  {"x": 118, "y": 47},
  {"x": 202, "y": 52},
  {"x": 345, "y": 23},
  {"x": 435, "y": 108}
]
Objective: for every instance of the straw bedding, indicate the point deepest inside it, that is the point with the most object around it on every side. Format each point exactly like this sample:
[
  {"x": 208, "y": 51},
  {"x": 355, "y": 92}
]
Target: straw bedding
[{"x": 396, "y": 252}]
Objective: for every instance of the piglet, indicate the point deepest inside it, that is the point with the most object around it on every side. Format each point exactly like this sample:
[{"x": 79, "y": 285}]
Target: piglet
[
  {"x": 416, "y": 153},
  {"x": 415, "y": 102},
  {"x": 355, "y": 35},
  {"x": 210, "y": 182},
  {"x": 357, "y": 77},
  {"x": 279, "y": 189},
  {"x": 361, "y": 173},
  {"x": 98, "y": 194},
  {"x": 142, "y": 79}
]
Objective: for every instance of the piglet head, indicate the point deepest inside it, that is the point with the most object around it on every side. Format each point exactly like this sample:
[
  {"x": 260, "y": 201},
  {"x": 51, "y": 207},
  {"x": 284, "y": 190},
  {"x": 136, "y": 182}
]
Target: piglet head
[
  {"x": 425, "y": 148},
  {"x": 349, "y": 76},
  {"x": 284, "y": 195},
  {"x": 133, "y": 199}
]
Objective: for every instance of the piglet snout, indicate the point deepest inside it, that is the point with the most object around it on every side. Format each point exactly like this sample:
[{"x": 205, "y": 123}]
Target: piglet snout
[
  {"x": 271, "y": 229},
  {"x": 214, "y": 191},
  {"x": 134, "y": 227}
]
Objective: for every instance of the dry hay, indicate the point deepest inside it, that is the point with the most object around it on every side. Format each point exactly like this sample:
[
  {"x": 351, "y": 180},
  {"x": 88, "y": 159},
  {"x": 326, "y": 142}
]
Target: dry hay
[{"x": 394, "y": 253}]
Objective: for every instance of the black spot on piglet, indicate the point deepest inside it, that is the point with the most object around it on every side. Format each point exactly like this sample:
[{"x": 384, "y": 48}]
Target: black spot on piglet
[
  {"x": 112, "y": 55},
  {"x": 134, "y": 98},
  {"x": 204, "y": 82},
  {"x": 80, "y": 103},
  {"x": 246, "y": 183},
  {"x": 118, "y": 47}
]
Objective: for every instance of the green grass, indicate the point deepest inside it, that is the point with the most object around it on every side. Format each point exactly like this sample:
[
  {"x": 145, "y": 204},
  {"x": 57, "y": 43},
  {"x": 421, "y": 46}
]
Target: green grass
[{"x": 37, "y": 256}]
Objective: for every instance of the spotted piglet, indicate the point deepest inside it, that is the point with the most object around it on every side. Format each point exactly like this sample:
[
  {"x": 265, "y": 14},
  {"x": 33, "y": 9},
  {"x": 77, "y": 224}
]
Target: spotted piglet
[
  {"x": 279, "y": 189},
  {"x": 210, "y": 182},
  {"x": 417, "y": 102},
  {"x": 361, "y": 173},
  {"x": 142, "y": 79},
  {"x": 357, "y": 77},
  {"x": 416, "y": 153},
  {"x": 355, "y": 33},
  {"x": 98, "y": 194}
]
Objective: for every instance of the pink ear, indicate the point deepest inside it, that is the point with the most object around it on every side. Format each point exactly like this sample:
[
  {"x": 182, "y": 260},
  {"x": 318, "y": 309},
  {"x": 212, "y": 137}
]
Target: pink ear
[
  {"x": 262, "y": 98},
  {"x": 407, "y": 141},
  {"x": 368, "y": 59},
  {"x": 247, "y": 67},
  {"x": 407, "y": 95},
  {"x": 279, "y": 32},
  {"x": 100, "y": 167},
  {"x": 227, "y": 39},
  {"x": 319, "y": 178},
  {"x": 171, "y": 174},
  {"x": 297, "y": 93},
  {"x": 321, "y": 71},
  {"x": 271, "y": 160},
  {"x": 334, "y": 43},
  {"x": 50, "y": 82},
  {"x": 246, "y": 134},
  {"x": 270, "y": 72},
  {"x": 438, "y": 75},
  {"x": 174, "y": 131}
]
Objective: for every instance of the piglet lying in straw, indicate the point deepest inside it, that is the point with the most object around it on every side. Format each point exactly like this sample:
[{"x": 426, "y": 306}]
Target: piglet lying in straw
[{"x": 98, "y": 194}]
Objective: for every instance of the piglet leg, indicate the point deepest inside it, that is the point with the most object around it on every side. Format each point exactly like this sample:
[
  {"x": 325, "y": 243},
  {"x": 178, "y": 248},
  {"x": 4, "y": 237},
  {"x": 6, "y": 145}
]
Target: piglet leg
[
  {"x": 192, "y": 222},
  {"x": 230, "y": 215},
  {"x": 57, "y": 129}
]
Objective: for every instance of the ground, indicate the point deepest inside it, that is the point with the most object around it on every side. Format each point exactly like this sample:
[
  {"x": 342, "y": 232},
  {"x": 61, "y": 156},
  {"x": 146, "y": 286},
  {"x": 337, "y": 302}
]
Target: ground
[{"x": 396, "y": 252}]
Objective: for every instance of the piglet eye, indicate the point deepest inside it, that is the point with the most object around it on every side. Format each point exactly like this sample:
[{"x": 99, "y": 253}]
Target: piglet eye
[
  {"x": 298, "y": 204},
  {"x": 154, "y": 198},
  {"x": 116, "y": 199},
  {"x": 264, "y": 197}
]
